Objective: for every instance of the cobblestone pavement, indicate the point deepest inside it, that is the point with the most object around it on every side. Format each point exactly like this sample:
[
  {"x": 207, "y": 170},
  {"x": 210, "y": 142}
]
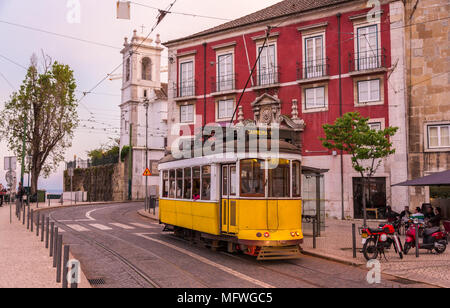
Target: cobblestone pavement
[
  {"x": 336, "y": 243},
  {"x": 123, "y": 249}
]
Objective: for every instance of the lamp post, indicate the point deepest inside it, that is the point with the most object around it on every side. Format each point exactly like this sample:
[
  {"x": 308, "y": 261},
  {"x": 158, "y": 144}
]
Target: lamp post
[{"x": 146, "y": 103}]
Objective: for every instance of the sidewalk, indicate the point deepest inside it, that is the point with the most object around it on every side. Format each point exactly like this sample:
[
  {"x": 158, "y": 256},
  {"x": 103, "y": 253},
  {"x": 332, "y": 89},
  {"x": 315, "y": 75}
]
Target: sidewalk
[
  {"x": 336, "y": 244},
  {"x": 24, "y": 260},
  {"x": 150, "y": 214}
]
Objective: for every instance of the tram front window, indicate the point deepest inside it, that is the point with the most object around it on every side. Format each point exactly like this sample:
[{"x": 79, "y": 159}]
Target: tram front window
[
  {"x": 279, "y": 183},
  {"x": 252, "y": 178},
  {"x": 206, "y": 183},
  {"x": 196, "y": 183},
  {"x": 187, "y": 183}
]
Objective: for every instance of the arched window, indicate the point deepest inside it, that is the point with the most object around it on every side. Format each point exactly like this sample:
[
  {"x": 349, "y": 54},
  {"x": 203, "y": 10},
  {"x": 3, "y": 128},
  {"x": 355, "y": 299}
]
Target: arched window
[
  {"x": 128, "y": 69},
  {"x": 146, "y": 69}
]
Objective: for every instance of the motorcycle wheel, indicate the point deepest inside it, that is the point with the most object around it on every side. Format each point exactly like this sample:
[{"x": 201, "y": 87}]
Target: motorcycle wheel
[
  {"x": 407, "y": 248},
  {"x": 370, "y": 250},
  {"x": 440, "y": 251}
]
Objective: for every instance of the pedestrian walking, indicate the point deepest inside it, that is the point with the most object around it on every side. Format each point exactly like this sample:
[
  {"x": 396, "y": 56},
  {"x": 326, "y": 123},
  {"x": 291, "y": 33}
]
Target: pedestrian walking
[{"x": 2, "y": 193}]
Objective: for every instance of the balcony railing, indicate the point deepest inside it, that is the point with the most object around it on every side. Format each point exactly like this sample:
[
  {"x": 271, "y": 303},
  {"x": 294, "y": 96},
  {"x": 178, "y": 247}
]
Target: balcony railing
[
  {"x": 223, "y": 83},
  {"x": 367, "y": 60},
  {"x": 268, "y": 76},
  {"x": 184, "y": 89},
  {"x": 312, "y": 69}
]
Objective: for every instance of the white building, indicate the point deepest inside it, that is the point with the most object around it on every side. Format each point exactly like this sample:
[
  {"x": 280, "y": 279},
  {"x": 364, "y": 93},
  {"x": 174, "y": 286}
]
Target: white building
[{"x": 141, "y": 83}]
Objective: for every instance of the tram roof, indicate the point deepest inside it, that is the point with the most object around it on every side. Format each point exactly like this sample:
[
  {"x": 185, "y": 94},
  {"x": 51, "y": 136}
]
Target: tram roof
[{"x": 284, "y": 148}]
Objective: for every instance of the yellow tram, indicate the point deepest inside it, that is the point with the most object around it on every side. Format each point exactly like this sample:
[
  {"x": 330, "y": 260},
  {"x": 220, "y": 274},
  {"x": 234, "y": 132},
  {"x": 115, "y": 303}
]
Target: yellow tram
[{"x": 250, "y": 204}]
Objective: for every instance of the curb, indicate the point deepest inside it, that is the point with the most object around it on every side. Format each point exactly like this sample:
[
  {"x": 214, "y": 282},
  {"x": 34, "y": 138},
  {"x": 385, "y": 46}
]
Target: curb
[
  {"x": 143, "y": 213},
  {"x": 79, "y": 205},
  {"x": 356, "y": 264}
]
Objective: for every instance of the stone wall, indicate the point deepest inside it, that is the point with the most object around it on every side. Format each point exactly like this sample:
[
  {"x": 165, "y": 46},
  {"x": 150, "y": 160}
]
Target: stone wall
[
  {"x": 102, "y": 183},
  {"x": 428, "y": 86}
]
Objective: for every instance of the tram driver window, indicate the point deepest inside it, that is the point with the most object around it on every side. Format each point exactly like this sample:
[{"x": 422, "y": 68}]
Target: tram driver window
[
  {"x": 206, "y": 183},
  {"x": 196, "y": 183},
  {"x": 172, "y": 184},
  {"x": 179, "y": 194},
  {"x": 165, "y": 184},
  {"x": 296, "y": 178},
  {"x": 279, "y": 179},
  {"x": 252, "y": 178},
  {"x": 187, "y": 183}
]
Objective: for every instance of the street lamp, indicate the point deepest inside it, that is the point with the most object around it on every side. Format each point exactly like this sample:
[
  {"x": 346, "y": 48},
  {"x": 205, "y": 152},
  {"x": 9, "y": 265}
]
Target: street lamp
[{"x": 146, "y": 103}]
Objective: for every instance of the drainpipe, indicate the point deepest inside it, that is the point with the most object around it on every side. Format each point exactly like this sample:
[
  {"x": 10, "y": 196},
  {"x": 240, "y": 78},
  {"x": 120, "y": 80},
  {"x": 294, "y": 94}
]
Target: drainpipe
[
  {"x": 204, "y": 87},
  {"x": 340, "y": 112}
]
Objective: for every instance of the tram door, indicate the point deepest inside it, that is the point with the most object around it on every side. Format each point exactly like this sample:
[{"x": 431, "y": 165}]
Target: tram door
[{"x": 228, "y": 201}]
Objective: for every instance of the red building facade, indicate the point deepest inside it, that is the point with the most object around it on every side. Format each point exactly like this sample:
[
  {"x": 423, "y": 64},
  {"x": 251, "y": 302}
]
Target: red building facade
[{"x": 327, "y": 58}]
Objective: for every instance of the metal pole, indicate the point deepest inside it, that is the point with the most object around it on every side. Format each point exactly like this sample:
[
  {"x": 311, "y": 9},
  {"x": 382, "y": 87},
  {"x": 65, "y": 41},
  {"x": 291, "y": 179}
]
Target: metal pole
[
  {"x": 354, "y": 240},
  {"x": 58, "y": 259},
  {"x": 55, "y": 246},
  {"x": 52, "y": 230},
  {"x": 47, "y": 226},
  {"x": 28, "y": 218},
  {"x": 32, "y": 220},
  {"x": 24, "y": 212},
  {"x": 65, "y": 269},
  {"x": 42, "y": 228},
  {"x": 314, "y": 233},
  {"x": 417, "y": 240},
  {"x": 146, "y": 151},
  {"x": 38, "y": 224},
  {"x": 130, "y": 164}
]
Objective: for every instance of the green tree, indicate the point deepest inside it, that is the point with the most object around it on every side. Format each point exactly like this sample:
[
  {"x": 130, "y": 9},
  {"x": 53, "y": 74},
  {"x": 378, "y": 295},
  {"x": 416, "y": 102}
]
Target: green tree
[
  {"x": 368, "y": 147},
  {"x": 106, "y": 153},
  {"x": 44, "y": 114}
]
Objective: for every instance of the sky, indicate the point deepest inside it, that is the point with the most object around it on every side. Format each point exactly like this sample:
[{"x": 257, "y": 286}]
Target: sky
[{"x": 90, "y": 62}]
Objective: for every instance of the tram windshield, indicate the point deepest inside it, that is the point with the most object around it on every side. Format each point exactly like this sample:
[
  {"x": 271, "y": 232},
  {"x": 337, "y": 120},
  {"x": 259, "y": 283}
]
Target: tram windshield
[
  {"x": 279, "y": 179},
  {"x": 252, "y": 178}
]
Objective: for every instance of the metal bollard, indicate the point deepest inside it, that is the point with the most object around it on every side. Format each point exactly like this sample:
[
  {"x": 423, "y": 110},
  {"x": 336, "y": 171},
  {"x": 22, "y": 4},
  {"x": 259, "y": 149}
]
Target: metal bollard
[
  {"x": 32, "y": 220},
  {"x": 42, "y": 228},
  {"x": 47, "y": 226},
  {"x": 55, "y": 245},
  {"x": 74, "y": 284},
  {"x": 52, "y": 229},
  {"x": 354, "y": 240},
  {"x": 28, "y": 218},
  {"x": 314, "y": 233},
  {"x": 417, "y": 240},
  {"x": 58, "y": 259},
  {"x": 38, "y": 224},
  {"x": 65, "y": 281},
  {"x": 24, "y": 211}
]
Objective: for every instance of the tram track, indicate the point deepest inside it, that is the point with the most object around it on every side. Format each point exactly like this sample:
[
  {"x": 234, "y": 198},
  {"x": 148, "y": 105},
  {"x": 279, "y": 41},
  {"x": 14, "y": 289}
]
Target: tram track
[{"x": 112, "y": 252}]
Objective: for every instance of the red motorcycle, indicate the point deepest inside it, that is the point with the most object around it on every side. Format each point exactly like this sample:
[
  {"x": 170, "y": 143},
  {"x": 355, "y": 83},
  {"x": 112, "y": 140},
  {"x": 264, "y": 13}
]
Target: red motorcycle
[
  {"x": 433, "y": 239},
  {"x": 376, "y": 241}
]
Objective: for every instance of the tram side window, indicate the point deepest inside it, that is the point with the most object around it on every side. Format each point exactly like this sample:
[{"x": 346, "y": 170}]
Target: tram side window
[
  {"x": 196, "y": 183},
  {"x": 252, "y": 178},
  {"x": 179, "y": 184},
  {"x": 206, "y": 183},
  {"x": 187, "y": 183},
  {"x": 165, "y": 184},
  {"x": 296, "y": 178},
  {"x": 172, "y": 184},
  {"x": 279, "y": 180}
]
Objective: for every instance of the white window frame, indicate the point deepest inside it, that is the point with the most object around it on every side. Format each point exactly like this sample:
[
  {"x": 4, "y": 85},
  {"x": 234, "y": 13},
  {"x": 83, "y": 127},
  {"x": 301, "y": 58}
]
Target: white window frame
[
  {"x": 362, "y": 23},
  {"x": 219, "y": 88},
  {"x": 274, "y": 79},
  {"x": 439, "y": 127},
  {"x": 222, "y": 119},
  {"x": 180, "y": 79},
  {"x": 370, "y": 99},
  {"x": 187, "y": 121},
  {"x": 316, "y": 62},
  {"x": 316, "y": 106}
]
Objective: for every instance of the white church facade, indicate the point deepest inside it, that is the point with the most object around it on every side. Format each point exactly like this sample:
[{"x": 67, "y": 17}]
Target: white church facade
[{"x": 141, "y": 85}]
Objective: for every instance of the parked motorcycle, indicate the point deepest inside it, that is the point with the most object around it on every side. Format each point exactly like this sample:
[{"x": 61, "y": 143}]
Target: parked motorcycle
[
  {"x": 433, "y": 239},
  {"x": 376, "y": 241}
]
